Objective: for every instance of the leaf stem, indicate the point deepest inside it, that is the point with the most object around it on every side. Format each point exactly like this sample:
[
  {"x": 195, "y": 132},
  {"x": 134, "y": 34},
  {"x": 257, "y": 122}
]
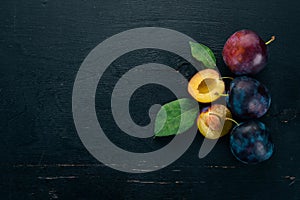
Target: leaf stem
[{"x": 271, "y": 40}]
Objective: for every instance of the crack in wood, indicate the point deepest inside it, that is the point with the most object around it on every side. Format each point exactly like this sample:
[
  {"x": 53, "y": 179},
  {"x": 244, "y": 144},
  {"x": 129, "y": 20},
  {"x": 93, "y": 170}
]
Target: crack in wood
[{"x": 56, "y": 177}]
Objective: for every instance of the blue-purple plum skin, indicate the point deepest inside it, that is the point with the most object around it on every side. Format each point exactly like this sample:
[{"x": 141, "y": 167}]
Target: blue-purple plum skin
[
  {"x": 250, "y": 142},
  {"x": 248, "y": 98}
]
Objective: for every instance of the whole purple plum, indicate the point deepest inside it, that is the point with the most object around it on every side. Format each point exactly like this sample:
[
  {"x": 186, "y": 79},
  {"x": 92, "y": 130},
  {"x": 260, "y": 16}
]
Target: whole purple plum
[
  {"x": 245, "y": 52},
  {"x": 248, "y": 98},
  {"x": 250, "y": 142}
]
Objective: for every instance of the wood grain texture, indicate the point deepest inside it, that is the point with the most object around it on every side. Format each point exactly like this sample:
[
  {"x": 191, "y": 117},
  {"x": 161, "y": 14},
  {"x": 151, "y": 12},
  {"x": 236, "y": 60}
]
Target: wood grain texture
[{"x": 42, "y": 44}]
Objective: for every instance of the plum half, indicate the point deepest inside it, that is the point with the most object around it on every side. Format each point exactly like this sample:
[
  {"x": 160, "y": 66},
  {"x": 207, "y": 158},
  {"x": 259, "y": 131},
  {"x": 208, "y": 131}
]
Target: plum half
[
  {"x": 245, "y": 52},
  {"x": 213, "y": 121},
  {"x": 206, "y": 86}
]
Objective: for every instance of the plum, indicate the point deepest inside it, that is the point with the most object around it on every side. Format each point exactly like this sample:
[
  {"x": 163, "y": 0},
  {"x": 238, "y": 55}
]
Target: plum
[
  {"x": 248, "y": 98},
  {"x": 245, "y": 52},
  {"x": 213, "y": 121},
  {"x": 206, "y": 86},
  {"x": 250, "y": 142}
]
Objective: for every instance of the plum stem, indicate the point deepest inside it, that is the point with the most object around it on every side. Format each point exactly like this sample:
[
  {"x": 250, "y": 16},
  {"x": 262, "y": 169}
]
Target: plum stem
[
  {"x": 226, "y": 118},
  {"x": 222, "y": 95},
  {"x": 232, "y": 120},
  {"x": 271, "y": 40},
  {"x": 226, "y": 77}
]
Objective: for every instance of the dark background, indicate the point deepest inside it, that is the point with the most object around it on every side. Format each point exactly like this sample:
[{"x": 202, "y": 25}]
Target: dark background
[{"x": 43, "y": 43}]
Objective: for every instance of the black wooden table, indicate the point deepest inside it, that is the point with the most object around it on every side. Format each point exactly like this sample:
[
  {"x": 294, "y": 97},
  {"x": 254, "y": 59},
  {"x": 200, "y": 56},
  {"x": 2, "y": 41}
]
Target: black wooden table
[{"x": 42, "y": 45}]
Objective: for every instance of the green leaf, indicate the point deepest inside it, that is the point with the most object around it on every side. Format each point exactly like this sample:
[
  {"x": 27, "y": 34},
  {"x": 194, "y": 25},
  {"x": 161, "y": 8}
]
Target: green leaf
[
  {"x": 176, "y": 117},
  {"x": 203, "y": 54}
]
